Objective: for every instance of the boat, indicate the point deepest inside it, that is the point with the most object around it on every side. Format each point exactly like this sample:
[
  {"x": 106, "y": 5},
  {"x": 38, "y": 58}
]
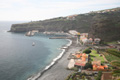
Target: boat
[{"x": 33, "y": 44}]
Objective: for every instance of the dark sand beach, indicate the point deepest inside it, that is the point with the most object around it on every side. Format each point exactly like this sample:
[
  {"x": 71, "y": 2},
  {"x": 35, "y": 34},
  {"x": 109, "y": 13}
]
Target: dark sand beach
[{"x": 59, "y": 71}]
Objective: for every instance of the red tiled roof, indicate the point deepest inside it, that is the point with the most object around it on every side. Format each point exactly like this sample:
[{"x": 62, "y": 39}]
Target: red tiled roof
[{"x": 80, "y": 64}]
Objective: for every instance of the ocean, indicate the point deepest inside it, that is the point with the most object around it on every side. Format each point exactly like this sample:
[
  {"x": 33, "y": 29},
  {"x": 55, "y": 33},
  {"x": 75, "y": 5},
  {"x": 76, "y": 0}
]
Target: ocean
[{"x": 19, "y": 60}]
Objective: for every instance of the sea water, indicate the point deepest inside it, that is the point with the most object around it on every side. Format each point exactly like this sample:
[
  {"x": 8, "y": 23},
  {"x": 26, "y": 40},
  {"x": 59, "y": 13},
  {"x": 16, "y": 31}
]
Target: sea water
[{"x": 19, "y": 60}]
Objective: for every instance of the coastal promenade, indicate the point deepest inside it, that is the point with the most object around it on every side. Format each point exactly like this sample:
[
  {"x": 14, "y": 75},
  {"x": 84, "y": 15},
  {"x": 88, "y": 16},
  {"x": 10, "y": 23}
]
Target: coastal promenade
[{"x": 59, "y": 70}]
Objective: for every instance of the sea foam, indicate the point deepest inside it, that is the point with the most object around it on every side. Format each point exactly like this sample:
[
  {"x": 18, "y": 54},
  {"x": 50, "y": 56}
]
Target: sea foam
[{"x": 34, "y": 77}]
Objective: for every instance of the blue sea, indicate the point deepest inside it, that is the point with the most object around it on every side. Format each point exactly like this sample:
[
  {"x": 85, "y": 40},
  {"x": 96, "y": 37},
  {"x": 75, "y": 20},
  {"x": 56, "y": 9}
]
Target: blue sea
[{"x": 19, "y": 60}]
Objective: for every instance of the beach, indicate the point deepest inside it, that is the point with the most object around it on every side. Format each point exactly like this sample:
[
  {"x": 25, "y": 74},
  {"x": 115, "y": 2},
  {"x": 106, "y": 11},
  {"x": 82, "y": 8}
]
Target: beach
[{"x": 59, "y": 70}]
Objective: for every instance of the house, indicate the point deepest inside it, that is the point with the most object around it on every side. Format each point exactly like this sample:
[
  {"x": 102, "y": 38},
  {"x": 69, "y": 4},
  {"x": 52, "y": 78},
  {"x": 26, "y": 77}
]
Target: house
[
  {"x": 97, "y": 65},
  {"x": 35, "y": 31},
  {"x": 84, "y": 34},
  {"x": 79, "y": 60},
  {"x": 90, "y": 41},
  {"x": 84, "y": 40},
  {"x": 80, "y": 63},
  {"x": 82, "y": 59},
  {"x": 97, "y": 40},
  {"x": 71, "y": 64},
  {"x": 73, "y": 32},
  {"x": 96, "y": 62},
  {"x": 72, "y": 17}
]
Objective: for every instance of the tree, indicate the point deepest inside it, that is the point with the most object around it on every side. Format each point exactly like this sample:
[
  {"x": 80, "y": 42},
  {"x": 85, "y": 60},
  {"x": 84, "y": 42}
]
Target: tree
[
  {"x": 99, "y": 75},
  {"x": 88, "y": 65},
  {"x": 87, "y": 51}
]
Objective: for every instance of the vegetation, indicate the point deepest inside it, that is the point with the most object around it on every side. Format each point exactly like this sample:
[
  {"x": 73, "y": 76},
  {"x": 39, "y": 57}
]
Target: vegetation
[
  {"x": 113, "y": 42},
  {"x": 99, "y": 75},
  {"x": 113, "y": 52},
  {"x": 96, "y": 24},
  {"x": 87, "y": 51},
  {"x": 78, "y": 76},
  {"x": 116, "y": 64},
  {"x": 88, "y": 66},
  {"x": 114, "y": 57},
  {"x": 94, "y": 56},
  {"x": 116, "y": 73},
  {"x": 111, "y": 57}
]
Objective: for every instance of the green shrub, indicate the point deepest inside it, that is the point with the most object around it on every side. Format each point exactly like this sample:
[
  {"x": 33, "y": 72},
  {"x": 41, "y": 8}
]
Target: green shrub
[
  {"x": 88, "y": 65},
  {"x": 99, "y": 75},
  {"x": 87, "y": 51},
  {"x": 75, "y": 69}
]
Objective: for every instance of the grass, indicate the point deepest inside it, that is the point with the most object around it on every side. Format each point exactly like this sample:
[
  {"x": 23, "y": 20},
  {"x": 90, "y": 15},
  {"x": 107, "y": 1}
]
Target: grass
[
  {"x": 110, "y": 57},
  {"x": 94, "y": 56},
  {"x": 113, "y": 42}
]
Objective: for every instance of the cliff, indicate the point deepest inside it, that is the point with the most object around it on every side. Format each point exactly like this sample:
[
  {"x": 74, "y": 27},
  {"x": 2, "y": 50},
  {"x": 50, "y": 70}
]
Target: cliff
[{"x": 104, "y": 24}]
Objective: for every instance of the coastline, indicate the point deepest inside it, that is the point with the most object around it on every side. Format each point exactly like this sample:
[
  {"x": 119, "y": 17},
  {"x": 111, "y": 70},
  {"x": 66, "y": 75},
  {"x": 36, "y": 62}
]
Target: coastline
[
  {"x": 55, "y": 60},
  {"x": 59, "y": 70}
]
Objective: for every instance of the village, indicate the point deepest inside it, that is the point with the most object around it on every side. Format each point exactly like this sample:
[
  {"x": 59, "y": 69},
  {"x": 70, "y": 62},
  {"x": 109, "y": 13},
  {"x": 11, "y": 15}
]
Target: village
[{"x": 94, "y": 62}]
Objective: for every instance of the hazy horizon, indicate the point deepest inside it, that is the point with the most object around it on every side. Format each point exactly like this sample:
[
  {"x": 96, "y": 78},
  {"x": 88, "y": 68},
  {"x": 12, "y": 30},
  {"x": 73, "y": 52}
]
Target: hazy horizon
[{"x": 34, "y": 10}]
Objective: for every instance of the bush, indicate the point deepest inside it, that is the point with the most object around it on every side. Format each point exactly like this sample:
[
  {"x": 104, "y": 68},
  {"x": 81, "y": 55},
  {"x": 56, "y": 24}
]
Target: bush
[
  {"x": 99, "y": 75},
  {"x": 75, "y": 69},
  {"x": 88, "y": 65},
  {"x": 87, "y": 51}
]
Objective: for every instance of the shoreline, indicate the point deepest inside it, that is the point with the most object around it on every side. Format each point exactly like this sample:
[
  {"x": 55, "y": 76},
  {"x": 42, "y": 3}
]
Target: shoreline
[
  {"x": 59, "y": 70},
  {"x": 55, "y": 60}
]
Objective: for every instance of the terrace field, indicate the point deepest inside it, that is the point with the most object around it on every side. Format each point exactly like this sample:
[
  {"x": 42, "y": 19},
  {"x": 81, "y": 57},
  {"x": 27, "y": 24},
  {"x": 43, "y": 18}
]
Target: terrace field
[{"x": 95, "y": 56}]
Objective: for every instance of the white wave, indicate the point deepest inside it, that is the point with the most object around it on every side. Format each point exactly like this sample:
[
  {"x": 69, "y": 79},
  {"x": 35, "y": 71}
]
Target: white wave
[
  {"x": 70, "y": 42},
  {"x": 52, "y": 63}
]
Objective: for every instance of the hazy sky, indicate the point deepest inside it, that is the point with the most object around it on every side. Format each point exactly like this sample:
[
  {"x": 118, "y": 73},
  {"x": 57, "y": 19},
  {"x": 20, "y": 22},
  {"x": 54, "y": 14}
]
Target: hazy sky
[{"x": 12, "y": 10}]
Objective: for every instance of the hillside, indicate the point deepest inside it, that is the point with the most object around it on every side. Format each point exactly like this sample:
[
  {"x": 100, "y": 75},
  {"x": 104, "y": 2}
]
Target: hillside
[{"x": 104, "y": 24}]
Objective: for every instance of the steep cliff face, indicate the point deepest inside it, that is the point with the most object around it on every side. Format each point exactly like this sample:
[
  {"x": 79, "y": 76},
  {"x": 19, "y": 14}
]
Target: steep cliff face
[
  {"x": 81, "y": 23},
  {"x": 104, "y": 24}
]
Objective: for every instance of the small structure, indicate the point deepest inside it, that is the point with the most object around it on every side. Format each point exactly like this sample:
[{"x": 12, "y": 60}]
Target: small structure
[
  {"x": 81, "y": 60},
  {"x": 97, "y": 40},
  {"x": 73, "y": 32},
  {"x": 90, "y": 41},
  {"x": 97, "y": 65},
  {"x": 96, "y": 62},
  {"x": 71, "y": 64},
  {"x": 29, "y": 33},
  {"x": 84, "y": 40},
  {"x": 35, "y": 31},
  {"x": 84, "y": 34},
  {"x": 72, "y": 17},
  {"x": 80, "y": 63}
]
